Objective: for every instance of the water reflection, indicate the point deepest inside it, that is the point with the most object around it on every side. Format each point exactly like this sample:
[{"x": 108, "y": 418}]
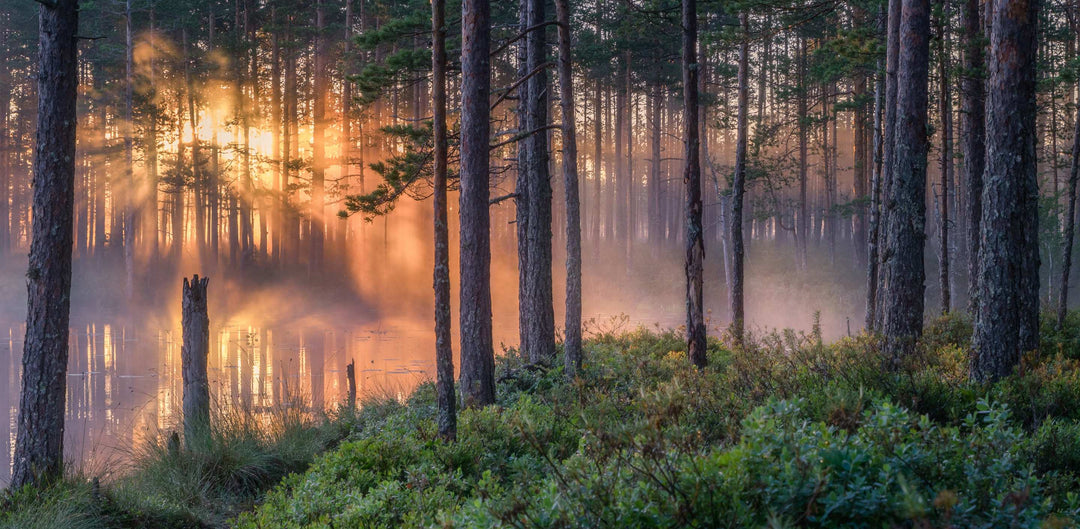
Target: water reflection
[{"x": 124, "y": 381}]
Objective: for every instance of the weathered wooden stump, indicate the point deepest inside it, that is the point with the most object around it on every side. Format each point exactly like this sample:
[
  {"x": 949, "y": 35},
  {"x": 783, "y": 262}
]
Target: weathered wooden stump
[
  {"x": 350, "y": 375},
  {"x": 193, "y": 355}
]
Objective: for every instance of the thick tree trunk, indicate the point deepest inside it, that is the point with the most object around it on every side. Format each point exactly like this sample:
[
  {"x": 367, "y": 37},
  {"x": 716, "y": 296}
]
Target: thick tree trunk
[
  {"x": 535, "y": 291},
  {"x": 193, "y": 355},
  {"x": 39, "y": 441},
  {"x": 444, "y": 354},
  {"x": 1006, "y": 322},
  {"x": 738, "y": 185},
  {"x": 695, "y": 246},
  {"x": 477, "y": 352},
  {"x": 572, "y": 335},
  {"x": 905, "y": 220}
]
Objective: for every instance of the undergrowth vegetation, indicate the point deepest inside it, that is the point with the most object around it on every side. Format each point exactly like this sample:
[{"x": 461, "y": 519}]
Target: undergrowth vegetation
[{"x": 789, "y": 431}]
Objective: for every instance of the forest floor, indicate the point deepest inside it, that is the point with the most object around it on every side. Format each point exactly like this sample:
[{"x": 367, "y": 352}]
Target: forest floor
[{"x": 786, "y": 432}]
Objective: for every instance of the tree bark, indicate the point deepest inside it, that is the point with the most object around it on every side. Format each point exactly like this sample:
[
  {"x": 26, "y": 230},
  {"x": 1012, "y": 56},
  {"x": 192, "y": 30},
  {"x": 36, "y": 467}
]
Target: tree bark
[
  {"x": 1070, "y": 227},
  {"x": 905, "y": 220},
  {"x": 738, "y": 185},
  {"x": 477, "y": 352},
  {"x": 973, "y": 113},
  {"x": 193, "y": 355},
  {"x": 39, "y": 441},
  {"x": 1006, "y": 322},
  {"x": 444, "y": 354},
  {"x": 695, "y": 245},
  {"x": 946, "y": 166},
  {"x": 572, "y": 354}
]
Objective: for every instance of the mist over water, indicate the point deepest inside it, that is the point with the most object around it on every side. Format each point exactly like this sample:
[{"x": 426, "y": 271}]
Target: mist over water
[{"x": 285, "y": 340}]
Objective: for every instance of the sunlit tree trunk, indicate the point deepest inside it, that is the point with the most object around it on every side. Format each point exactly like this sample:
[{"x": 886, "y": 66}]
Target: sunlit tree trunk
[
  {"x": 1006, "y": 322},
  {"x": 276, "y": 164},
  {"x": 598, "y": 168},
  {"x": 656, "y": 220},
  {"x": 39, "y": 441},
  {"x": 695, "y": 246},
  {"x": 477, "y": 352},
  {"x": 318, "y": 162},
  {"x": 905, "y": 220}
]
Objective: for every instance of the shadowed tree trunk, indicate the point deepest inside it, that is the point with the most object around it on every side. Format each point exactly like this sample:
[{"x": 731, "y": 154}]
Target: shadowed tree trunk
[
  {"x": 1006, "y": 322},
  {"x": 572, "y": 339},
  {"x": 905, "y": 217},
  {"x": 946, "y": 167},
  {"x": 695, "y": 245},
  {"x": 535, "y": 292},
  {"x": 874, "y": 235},
  {"x": 1070, "y": 227},
  {"x": 973, "y": 113},
  {"x": 193, "y": 355},
  {"x": 444, "y": 354},
  {"x": 39, "y": 442},
  {"x": 477, "y": 352},
  {"x": 892, "y": 59},
  {"x": 738, "y": 185}
]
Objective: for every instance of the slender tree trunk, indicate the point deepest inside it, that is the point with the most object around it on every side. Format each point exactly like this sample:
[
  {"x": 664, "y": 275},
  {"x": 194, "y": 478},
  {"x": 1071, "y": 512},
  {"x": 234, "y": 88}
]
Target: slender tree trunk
[
  {"x": 598, "y": 168},
  {"x": 1070, "y": 227},
  {"x": 1006, "y": 322},
  {"x": 803, "y": 235},
  {"x": 656, "y": 219},
  {"x": 892, "y": 58},
  {"x": 39, "y": 441},
  {"x": 276, "y": 153},
  {"x": 738, "y": 185},
  {"x": 946, "y": 166},
  {"x": 695, "y": 246},
  {"x": 875, "y": 194},
  {"x": 129, "y": 158},
  {"x": 572, "y": 335},
  {"x": 444, "y": 354},
  {"x": 906, "y": 208},
  {"x": 477, "y": 352},
  {"x": 973, "y": 113},
  {"x": 318, "y": 162}
]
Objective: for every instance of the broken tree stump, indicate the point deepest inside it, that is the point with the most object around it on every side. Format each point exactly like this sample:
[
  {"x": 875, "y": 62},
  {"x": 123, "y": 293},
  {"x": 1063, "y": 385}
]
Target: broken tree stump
[
  {"x": 350, "y": 375},
  {"x": 193, "y": 355}
]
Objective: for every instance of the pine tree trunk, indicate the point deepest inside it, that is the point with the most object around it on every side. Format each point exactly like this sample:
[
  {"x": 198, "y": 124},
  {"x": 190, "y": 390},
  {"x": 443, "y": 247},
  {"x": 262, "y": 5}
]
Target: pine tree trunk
[
  {"x": 738, "y": 185},
  {"x": 444, "y": 354},
  {"x": 572, "y": 334},
  {"x": 39, "y": 441},
  {"x": 1006, "y": 322},
  {"x": 477, "y": 352},
  {"x": 946, "y": 166},
  {"x": 695, "y": 246},
  {"x": 973, "y": 113},
  {"x": 1070, "y": 227},
  {"x": 318, "y": 162},
  {"x": 905, "y": 220},
  {"x": 892, "y": 58},
  {"x": 874, "y": 235}
]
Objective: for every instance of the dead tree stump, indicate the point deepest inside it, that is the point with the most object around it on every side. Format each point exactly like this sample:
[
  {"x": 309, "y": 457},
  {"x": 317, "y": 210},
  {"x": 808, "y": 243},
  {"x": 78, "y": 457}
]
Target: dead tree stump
[
  {"x": 350, "y": 375},
  {"x": 193, "y": 355}
]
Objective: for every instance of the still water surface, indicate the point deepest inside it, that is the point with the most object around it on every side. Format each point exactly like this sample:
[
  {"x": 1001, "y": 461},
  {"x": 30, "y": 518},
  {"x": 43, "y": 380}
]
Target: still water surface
[{"x": 124, "y": 381}]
